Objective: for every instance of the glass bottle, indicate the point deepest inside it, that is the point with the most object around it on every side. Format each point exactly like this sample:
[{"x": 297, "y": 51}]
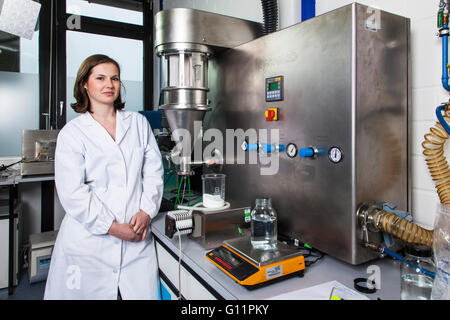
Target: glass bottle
[
  {"x": 264, "y": 225},
  {"x": 415, "y": 284}
]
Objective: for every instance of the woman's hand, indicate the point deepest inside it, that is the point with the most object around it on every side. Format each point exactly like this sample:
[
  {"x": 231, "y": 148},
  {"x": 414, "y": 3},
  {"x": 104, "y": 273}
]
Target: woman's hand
[
  {"x": 124, "y": 231},
  {"x": 140, "y": 222}
]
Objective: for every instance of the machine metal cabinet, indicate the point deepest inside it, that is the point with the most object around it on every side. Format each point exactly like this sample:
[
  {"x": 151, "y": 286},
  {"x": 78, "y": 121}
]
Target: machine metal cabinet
[{"x": 345, "y": 89}]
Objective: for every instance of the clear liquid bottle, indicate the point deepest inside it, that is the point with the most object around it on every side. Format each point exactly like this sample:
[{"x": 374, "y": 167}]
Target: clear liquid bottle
[
  {"x": 415, "y": 285},
  {"x": 264, "y": 225}
]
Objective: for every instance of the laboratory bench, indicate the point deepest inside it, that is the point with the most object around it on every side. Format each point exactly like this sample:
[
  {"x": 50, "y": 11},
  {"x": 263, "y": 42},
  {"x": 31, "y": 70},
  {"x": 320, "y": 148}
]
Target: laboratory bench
[
  {"x": 202, "y": 280},
  {"x": 11, "y": 182}
]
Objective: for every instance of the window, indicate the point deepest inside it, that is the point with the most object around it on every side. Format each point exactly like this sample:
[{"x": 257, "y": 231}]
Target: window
[
  {"x": 93, "y": 10},
  {"x": 19, "y": 91},
  {"x": 127, "y": 52}
]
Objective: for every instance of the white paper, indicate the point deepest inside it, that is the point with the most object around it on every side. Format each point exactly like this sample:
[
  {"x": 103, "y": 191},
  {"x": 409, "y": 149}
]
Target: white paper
[
  {"x": 19, "y": 17},
  {"x": 322, "y": 292}
]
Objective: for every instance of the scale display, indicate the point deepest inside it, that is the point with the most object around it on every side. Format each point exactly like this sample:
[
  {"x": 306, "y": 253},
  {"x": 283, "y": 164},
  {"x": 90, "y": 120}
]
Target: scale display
[
  {"x": 232, "y": 263},
  {"x": 275, "y": 88},
  {"x": 244, "y": 271}
]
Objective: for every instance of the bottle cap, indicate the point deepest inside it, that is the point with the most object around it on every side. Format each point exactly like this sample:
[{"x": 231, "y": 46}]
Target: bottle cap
[{"x": 263, "y": 202}]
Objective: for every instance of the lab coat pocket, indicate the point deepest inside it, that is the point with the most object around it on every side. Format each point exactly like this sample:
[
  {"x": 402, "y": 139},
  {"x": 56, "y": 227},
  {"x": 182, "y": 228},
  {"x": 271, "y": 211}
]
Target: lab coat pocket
[{"x": 76, "y": 240}]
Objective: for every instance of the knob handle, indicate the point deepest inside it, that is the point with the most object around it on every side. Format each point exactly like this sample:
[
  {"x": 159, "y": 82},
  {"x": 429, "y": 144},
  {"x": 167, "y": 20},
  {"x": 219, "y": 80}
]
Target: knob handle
[
  {"x": 268, "y": 148},
  {"x": 307, "y": 152}
]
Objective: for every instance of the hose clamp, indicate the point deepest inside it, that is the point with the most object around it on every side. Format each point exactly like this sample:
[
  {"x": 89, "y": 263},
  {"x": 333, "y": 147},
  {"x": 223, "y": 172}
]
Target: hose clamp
[
  {"x": 380, "y": 215},
  {"x": 443, "y": 32}
]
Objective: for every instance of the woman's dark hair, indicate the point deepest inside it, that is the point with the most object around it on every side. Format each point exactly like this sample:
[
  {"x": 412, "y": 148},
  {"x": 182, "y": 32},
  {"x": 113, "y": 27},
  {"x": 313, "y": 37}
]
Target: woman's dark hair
[{"x": 79, "y": 92}]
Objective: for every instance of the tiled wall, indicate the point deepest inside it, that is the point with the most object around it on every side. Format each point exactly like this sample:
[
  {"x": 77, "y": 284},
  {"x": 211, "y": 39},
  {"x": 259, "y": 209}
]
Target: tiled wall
[{"x": 427, "y": 92}]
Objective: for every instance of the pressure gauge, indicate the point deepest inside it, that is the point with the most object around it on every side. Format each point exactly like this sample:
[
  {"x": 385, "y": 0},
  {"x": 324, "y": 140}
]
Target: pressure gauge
[
  {"x": 291, "y": 150},
  {"x": 335, "y": 155},
  {"x": 244, "y": 146}
]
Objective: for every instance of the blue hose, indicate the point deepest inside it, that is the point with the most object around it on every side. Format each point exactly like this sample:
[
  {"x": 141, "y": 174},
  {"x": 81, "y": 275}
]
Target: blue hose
[
  {"x": 400, "y": 258},
  {"x": 445, "y": 60}
]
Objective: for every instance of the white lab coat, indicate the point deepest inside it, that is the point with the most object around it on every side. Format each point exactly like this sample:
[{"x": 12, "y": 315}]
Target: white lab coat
[{"x": 99, "y": 180}]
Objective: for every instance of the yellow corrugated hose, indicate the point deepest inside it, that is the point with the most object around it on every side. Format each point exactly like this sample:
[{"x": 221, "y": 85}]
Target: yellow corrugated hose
[{"x": 433, "y": 150}]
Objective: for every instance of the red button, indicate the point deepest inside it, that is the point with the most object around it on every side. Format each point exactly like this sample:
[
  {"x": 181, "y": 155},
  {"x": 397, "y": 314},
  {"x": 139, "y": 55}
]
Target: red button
[{"x": 270, "y": 115}]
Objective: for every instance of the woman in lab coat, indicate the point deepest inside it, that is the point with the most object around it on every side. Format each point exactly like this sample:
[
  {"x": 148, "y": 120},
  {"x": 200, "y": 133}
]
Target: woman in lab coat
[{"x": 109, "y": 179}]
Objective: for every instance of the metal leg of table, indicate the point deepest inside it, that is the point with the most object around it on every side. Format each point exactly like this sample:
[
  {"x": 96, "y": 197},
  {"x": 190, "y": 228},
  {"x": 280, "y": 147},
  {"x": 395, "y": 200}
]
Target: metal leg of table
[{"x": 12, "y": 198}]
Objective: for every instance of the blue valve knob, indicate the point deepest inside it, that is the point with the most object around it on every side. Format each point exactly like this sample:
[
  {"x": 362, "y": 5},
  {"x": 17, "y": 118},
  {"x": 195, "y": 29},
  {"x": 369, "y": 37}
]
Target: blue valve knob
[
  {"x": 268, "y": 148},
  {"x": 252, "y": 147},
  {"x": 306, "y": 152},
  {"x": 281, "y": 147}
]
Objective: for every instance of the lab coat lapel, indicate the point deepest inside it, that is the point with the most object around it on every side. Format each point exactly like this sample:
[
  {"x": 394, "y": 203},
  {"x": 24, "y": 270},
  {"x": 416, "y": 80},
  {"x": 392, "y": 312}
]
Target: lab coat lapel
[
  {"x": 96, "y": 128},
  {"x": 122, "y": 125}
]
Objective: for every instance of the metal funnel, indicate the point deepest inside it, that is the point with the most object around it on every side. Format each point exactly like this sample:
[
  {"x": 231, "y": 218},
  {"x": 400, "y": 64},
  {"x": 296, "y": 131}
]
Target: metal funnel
[
  {"x": 182, "y": 124},
  {"x": 185, "y": 124}
]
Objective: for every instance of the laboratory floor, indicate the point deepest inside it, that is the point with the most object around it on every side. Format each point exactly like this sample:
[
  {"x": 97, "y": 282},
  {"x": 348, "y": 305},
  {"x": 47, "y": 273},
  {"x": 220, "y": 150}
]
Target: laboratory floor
[{"x": 24, "y": 290}]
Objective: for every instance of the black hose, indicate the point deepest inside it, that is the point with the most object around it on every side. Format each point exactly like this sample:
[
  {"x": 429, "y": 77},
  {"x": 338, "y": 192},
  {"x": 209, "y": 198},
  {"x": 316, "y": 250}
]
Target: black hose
[{"x": 270, "y": 15}]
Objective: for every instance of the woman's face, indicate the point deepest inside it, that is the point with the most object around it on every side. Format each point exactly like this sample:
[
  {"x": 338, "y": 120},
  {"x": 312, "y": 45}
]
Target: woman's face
[{"x": 103, "y": 84}]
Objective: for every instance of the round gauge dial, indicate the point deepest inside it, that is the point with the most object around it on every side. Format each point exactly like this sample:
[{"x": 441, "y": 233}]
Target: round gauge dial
[
  {"x": 335, "y": 155},
  {"x": 291, "y": 150},
  {"x": 244, "y": 145}
]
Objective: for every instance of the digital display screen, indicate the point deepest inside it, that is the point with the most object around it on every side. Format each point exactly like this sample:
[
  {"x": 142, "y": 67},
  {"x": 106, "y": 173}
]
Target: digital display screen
[
  {"x": 229, "y": 257},
  {"x": 273, "y": 86}
]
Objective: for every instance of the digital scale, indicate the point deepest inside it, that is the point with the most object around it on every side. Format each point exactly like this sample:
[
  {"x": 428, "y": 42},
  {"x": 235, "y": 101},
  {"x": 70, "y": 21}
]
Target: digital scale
[{"x": 254, "y": 268}]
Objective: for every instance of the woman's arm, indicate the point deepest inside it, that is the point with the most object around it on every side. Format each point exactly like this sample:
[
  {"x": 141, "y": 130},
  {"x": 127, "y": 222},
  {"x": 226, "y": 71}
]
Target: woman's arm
[
  {"x": 77, "y": 200},
  {"x": 152, "y": 174}
]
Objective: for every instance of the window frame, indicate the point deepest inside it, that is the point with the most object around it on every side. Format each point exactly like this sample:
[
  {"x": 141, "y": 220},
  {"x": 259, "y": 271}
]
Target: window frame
[
  {"x": 52, "y": 47},
  {"x": 53, "y": 67}
]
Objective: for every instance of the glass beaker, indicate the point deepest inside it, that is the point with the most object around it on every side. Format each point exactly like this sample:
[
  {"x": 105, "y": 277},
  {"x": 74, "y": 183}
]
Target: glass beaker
[
  {"x": 415, "y": 285},
  {"x": 264, "y": 225},
  {"x": 213, "y": 190}
]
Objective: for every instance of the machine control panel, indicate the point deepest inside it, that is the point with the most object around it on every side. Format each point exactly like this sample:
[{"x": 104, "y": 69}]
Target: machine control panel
[{"x": 275, "y": 88}]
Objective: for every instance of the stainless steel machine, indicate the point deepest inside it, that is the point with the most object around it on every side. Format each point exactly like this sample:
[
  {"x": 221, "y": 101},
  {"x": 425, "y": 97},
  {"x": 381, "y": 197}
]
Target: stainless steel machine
[
  {"x": 38, "y": 152},
  {"x": 314, "y": 116}
]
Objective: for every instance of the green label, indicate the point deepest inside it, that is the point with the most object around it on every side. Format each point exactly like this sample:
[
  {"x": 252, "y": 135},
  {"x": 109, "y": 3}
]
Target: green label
[
  {"x": 440, "y": 19},
  {"x": 247, "y": 215}
]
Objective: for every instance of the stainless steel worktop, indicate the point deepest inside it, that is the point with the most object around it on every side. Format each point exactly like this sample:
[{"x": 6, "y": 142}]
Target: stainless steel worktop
[{"x": 326, "y": 269}]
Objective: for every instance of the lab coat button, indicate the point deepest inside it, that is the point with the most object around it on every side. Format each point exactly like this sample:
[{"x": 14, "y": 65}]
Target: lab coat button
[{"x": 115, "y": 270}]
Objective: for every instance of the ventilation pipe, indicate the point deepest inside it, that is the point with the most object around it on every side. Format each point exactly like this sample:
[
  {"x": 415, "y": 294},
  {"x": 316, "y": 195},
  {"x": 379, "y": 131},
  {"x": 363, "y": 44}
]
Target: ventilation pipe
[{"x": 270, "y": 15}]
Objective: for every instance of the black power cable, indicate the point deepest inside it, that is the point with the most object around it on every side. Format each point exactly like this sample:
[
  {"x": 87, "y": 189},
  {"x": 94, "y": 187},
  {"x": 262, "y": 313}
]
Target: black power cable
[
  {"x": 306, "y": 250},
  {"x": 3, "y": 167}
]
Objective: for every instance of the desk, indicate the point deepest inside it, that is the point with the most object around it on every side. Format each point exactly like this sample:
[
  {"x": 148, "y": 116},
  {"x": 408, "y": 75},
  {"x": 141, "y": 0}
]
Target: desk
[
  {"x": 12, "y": 182},
  {"x": 221, "y": 286}
]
